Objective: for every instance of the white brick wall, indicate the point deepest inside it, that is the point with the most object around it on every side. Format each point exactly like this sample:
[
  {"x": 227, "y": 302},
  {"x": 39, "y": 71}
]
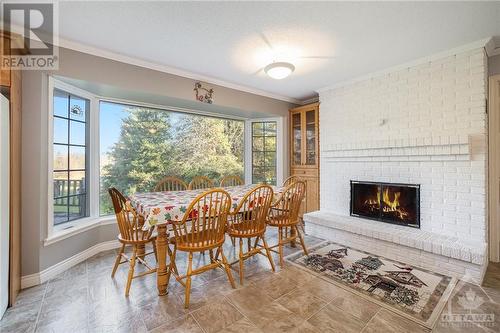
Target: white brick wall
[{"x": 385, "y": 129}]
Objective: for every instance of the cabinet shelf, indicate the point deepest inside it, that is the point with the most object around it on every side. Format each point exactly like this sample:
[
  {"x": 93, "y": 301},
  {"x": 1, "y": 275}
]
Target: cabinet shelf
[{"x": 304, "y": 150}]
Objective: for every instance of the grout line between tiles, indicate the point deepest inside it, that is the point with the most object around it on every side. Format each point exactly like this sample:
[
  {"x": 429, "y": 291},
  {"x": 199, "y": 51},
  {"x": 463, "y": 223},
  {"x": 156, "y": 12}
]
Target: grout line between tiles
[{"x": 376, "y": 313}]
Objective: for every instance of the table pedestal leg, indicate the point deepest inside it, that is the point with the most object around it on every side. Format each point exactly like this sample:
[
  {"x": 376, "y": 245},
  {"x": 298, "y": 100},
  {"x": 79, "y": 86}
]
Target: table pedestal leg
[{"x": 163, "y": 271}]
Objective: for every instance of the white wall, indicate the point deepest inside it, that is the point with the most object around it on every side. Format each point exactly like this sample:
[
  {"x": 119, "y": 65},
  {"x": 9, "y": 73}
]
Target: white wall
[
  {"x": 4, "y": 203},
  {"x": 420, "y": 120}
]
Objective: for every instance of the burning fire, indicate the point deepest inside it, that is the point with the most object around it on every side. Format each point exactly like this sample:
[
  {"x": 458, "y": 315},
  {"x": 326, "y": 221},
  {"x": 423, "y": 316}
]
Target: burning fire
[{"x": 389, "y": 205}]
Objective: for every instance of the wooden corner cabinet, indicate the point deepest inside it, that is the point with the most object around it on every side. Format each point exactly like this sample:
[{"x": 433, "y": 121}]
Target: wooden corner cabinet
[{"x": 304, "y": 151}]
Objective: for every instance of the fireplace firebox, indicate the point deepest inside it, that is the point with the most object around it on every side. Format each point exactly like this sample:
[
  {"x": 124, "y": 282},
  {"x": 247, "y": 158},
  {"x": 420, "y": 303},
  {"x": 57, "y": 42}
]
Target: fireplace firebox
[{"x": 386, "y": 202}]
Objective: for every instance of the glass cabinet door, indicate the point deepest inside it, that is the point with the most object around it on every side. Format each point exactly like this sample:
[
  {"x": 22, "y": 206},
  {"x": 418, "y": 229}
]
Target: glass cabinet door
[
  {"x": 297, "y": 138},
  {"x": 310, "y": 137}
]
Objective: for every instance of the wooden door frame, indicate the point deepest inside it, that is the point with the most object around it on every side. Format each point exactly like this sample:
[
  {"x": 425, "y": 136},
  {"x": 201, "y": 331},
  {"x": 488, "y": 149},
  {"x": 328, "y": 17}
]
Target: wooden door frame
[{"x": 494, "y": 168}]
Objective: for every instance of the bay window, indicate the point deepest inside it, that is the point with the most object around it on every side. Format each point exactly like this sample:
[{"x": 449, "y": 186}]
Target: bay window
[{"x": 96, "y": 143}]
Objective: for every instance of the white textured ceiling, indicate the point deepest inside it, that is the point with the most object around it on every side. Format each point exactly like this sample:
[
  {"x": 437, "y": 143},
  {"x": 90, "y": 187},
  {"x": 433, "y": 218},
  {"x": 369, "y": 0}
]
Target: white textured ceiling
[{"x": 226, "y": 40}]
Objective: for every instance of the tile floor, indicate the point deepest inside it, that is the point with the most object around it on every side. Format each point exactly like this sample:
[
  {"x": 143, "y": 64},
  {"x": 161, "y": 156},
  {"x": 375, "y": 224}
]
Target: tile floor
[{"x": 86, "y": 299}]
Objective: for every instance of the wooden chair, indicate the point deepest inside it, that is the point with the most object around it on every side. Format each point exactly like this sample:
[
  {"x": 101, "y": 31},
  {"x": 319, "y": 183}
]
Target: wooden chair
[
  {"x": 202, "y": 228},
  {"x": 249, "y": 221},
  {"x": 130, "y": 234},
  {"x": 171, "y": 184},
  {"x": 290, "y": 180},
  {"x": 200, "y": 182},
  {"x": 284, "y": 214},
  {"x": 231, "y": 181}
]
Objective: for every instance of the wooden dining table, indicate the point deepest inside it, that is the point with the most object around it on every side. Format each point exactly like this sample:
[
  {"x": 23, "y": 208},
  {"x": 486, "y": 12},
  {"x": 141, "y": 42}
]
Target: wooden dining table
[{"x": 158, "y": 209}]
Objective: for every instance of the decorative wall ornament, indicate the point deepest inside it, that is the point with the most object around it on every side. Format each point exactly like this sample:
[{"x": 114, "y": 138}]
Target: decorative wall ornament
[{"x": 203, "y": 94}]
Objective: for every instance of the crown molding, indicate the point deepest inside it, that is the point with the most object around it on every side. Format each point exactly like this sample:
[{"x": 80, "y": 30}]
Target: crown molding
[
  {"x": 483, "y": 43},
  {"x": 80, "y": 47}
]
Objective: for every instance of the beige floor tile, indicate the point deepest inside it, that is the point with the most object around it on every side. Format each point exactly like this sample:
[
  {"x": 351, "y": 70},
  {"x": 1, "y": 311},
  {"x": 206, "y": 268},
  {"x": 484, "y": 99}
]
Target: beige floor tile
[
  {"x": 333, "y": 319},
  {"x": 249, "y": 298},
  {"x": 275, "y": 318},
  {"x": 181, "y": 325},
  {"x": 302, "y": 303},
  {"x": 357, "y": 306},
  {"x": 387, "y": 322},
  {"x": 323, "y": 289},
  {"x": 242, "y": 325},
  {"x": 276, "y": 285},
  {"x": 216, "y": 316}
]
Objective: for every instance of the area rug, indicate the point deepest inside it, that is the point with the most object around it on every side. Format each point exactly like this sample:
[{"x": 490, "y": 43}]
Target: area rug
[{"x": 412, "y": 292}]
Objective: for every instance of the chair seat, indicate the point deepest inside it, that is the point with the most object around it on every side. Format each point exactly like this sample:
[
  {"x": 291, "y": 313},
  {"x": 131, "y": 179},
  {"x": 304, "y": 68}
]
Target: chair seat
[
  {"x": 137, "y": 241},
  {"x": 185, "y": 245},
  {"x": 241, "y": 230},
  {"x": 279, "y": 221}
]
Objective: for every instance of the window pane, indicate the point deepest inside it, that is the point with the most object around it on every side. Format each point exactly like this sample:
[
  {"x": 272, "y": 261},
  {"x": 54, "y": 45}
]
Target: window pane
[
  {"x": 76, "y": 158},
  {"x": 77, "y": 133},
  {"x": 270, "y": 175},
  {"x": 78, "y": 108},
  {"x": 60, "y": 130},
  {"x": 139, "y": 146},
  {"x": 258, "y": 175},
  {"x": 60, "y": 210},
  {"x": 258, "y": 143},
  {"x": 60, "y": 184},
  {"x": 270, "y": 159},
  {"x": 264, "y": 153},
  {"x": 271, "y": 128},
  {"x": 270, "y": 144},
  {"x": 76, "y": 182},
  {"x": 77, "y": 207},
  {"x": 60, "y": 157},
  {"x": 258, "y": 159},
  {"x": 258, "y": 129},
  {"x": 60, "y": 103},
  {"x": 70, "y": 193}
]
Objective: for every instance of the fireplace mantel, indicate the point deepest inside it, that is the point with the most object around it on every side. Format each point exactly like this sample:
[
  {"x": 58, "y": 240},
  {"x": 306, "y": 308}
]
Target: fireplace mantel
[{"x": 451, "y": 147}]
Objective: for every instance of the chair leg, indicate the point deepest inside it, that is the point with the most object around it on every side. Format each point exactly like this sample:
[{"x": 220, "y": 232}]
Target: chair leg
[
  {"x": 188, "y": 280},
  {"x": 227, "y": 268},
  {"x": 249, "y": 240},
  {"x": 117, "y": 261},
  {"x": 154, "y": 250},
  {"x": 172, "y": 254},
  {"x": 233, "y": 241},
  {"x": 301, "y": 240},
  {"x": 131, "y": 271},
  {"x": 241, "y": 260},
  {"x": 268, "y": 252},
  {"x": 280, "y": 247}
]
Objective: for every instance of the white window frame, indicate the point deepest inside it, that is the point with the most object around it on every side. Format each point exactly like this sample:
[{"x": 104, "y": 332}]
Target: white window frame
[
  {"x": 64, "y": 230},
  {"x": 280, "y": 139},
  {"x": 68, "y": 229}
]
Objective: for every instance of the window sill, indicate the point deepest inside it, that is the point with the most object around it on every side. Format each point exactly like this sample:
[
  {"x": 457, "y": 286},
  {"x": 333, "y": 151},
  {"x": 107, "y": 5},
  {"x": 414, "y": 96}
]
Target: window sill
[{"x": 70, "y": 229}]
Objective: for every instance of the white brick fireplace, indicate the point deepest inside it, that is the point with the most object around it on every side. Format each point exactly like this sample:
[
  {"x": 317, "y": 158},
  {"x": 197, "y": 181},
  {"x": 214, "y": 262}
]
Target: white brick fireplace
[{"x": 423, "y": 124}]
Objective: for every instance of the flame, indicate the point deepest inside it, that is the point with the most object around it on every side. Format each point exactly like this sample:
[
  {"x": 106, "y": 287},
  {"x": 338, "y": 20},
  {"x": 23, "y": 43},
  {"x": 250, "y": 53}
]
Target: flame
[
  {"x": 389, "y": 205},
  {"x": 393, "y": 205}
]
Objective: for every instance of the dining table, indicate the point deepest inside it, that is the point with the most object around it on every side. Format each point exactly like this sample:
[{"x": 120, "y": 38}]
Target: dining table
[{"x": 158, "y": 209}]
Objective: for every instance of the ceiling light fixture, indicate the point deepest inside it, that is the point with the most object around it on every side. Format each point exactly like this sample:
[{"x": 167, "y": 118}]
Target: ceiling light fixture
[{"x": 279, "y": 70}]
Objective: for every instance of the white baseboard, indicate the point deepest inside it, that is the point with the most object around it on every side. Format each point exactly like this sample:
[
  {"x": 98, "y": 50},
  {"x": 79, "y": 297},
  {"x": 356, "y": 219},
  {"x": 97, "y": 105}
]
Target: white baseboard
[{"x": 52, "y": 271}]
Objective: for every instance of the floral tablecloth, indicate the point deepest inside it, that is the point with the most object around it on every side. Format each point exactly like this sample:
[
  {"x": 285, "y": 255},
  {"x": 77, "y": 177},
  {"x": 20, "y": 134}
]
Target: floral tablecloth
[{"x": 162, "y": 207}]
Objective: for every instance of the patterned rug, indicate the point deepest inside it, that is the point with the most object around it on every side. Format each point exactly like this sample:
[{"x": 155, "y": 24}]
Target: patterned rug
[{"x": 412, "y": 292}]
